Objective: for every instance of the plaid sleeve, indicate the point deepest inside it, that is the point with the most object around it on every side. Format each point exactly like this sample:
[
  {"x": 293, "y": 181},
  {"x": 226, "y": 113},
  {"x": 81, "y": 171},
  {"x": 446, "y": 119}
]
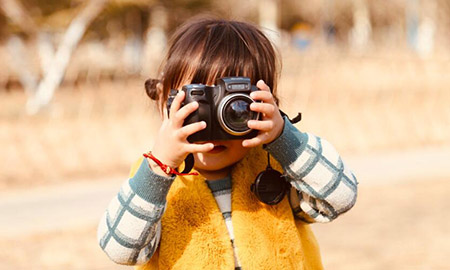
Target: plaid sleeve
[
  {"x": 130, "y": 229},
  {"x": 323, "y": 186}
]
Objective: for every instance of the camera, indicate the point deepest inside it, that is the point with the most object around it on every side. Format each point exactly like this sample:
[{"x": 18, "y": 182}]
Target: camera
[{"x": 225, "y": 107}]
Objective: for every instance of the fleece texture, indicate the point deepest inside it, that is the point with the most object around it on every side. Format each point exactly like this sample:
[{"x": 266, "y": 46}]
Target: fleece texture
[{"x": 194, "y": 234}]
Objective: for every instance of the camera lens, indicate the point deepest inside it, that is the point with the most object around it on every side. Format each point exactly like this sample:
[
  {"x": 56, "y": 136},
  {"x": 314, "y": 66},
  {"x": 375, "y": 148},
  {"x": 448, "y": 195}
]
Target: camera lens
[{"x": 234, "y": 113}]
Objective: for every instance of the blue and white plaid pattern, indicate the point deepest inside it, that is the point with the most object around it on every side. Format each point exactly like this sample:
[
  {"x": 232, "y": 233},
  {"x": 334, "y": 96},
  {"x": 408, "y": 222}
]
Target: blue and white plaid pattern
[
  {"x": 131, "y": 228},
  {"x": 323, "y": 184}
]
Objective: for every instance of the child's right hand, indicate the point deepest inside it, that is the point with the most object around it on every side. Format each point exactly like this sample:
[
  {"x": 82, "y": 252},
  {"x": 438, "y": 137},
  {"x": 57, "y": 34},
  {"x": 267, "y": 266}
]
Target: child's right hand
[{"x": 171, "y": 145}]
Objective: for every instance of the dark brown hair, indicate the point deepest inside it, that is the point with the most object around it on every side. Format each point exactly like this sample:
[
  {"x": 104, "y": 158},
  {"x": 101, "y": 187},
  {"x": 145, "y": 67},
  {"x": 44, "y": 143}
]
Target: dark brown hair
[{"x": 204, "y": 49}]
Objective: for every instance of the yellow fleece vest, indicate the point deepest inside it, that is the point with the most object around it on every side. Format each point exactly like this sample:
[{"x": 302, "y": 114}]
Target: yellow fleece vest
[{"x": 194, "y": 234}]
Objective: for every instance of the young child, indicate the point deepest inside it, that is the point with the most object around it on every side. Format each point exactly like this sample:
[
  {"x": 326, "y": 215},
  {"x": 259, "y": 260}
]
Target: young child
[{"x": 162, "y": 220}]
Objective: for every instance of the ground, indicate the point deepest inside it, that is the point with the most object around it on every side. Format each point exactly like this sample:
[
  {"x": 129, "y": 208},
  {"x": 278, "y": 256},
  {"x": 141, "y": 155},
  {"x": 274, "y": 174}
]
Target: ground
[{"x": 400, "y": 226}]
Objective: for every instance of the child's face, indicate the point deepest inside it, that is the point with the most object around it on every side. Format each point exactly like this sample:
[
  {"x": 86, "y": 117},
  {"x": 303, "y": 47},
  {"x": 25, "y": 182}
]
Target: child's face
[{"x": 223, "y": 155}]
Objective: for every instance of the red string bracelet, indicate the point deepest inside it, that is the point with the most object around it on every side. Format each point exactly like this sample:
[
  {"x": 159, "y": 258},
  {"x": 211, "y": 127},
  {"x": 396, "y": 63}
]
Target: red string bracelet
[{"x": 167, "y": 169}]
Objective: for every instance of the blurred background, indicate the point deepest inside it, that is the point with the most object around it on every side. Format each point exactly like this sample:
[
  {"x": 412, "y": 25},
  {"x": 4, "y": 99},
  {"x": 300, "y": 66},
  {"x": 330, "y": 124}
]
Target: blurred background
[{"x": 372, "y": 77}]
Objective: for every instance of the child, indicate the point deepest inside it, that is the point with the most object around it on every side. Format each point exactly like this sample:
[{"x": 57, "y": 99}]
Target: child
[{"x": 163, "y": 220}]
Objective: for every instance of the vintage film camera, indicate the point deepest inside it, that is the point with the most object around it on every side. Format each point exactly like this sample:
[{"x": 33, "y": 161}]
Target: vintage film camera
[{"x": 225, "y": 107}]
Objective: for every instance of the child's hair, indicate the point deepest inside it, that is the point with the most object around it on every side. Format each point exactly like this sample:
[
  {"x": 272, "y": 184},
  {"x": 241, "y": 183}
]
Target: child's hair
[{"x": 204, "y": 49}]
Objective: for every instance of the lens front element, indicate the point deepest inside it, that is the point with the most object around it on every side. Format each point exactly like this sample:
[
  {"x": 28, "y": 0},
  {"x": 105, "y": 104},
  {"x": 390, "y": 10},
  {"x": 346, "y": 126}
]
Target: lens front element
[{"x": 234, "y": 113}]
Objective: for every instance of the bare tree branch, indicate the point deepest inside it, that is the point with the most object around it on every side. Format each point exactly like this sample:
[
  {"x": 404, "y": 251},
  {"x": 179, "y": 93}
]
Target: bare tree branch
[
  {"x": 45, "y": 48},
  {"x": 15, "y": 12},
  {"x": 55, "y": 72},
  {"x": 20, "y": 62}
]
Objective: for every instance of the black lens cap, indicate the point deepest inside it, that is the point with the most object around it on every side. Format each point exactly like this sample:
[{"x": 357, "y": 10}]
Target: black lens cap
[{"x": 270, "y": 186}]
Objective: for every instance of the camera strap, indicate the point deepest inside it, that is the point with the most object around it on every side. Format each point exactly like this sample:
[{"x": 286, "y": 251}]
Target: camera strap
[
  {"x": 271, "y": 186},
  {"x": 188, "y": 163},
  {"x": 294, "y": 120}
]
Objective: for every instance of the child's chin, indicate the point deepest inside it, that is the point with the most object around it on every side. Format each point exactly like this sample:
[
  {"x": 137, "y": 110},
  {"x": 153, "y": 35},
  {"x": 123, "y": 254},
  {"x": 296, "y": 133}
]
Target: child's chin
[{"x": 212, "y": 161}]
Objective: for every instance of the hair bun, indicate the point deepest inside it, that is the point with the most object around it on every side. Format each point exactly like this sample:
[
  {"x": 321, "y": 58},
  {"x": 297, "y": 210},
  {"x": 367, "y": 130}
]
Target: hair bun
[{"x": 151, "y": 89}]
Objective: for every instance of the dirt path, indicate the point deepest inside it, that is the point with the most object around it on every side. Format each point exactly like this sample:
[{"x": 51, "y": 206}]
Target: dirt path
[
  {"x": 401, "y": 220},
  {"x": 47, "y": 209}
]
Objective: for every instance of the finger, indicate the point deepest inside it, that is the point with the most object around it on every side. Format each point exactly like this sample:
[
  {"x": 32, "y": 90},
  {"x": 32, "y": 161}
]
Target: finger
[
  {"x": 199, "y": 148},
  {"x": 258, "y": 140},
  {"x": 165, "y": 113},
  {"x": 176, "y": 103},
  {"x": 261, "y": 125},
  {"x": 190, "y": 129},
  {"x": 265, "y": 108},
  {"x": 264, "y": 96},
  {"x": 186, "y": 110},
  {"x": 262, "y": 85}
]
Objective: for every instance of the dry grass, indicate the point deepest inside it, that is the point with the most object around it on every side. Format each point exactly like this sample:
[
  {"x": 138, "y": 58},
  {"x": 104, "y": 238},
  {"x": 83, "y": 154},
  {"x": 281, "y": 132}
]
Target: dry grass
[
  {"x": 359, "y": 103},
  {"x": 88, "y": 132},
  {"x": 367, "y": 103}
]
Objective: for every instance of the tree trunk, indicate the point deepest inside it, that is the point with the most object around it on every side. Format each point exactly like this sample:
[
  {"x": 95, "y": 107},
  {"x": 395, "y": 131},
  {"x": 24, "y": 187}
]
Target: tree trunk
[
  {"x": 427, "y": 28},
  {"x": 268, "y": 19},
  {"x": 155, "y": 41},
  {"x": 362, "y": 29},
  {"x": 20, "y": 63}
]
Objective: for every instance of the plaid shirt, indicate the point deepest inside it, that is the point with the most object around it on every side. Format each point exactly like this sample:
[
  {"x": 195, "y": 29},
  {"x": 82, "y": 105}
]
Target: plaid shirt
[{"x": 323, "y": 187}]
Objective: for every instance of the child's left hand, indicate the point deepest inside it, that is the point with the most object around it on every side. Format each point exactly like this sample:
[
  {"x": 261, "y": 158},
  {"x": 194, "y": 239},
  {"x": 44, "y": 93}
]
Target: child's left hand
[{"x": 271, "y": 124}]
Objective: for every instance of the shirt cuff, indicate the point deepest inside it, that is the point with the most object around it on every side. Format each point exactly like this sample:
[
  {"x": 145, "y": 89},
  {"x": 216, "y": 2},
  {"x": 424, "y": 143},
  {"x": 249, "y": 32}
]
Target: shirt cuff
[
  {"x": 150, "y": 186},
  {"x": 289, "y": 145}
]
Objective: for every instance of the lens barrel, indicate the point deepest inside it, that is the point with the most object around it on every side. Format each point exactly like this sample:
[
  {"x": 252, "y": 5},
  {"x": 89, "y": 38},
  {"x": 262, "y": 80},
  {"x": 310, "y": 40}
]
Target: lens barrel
[{"x": 234, "y": 112}]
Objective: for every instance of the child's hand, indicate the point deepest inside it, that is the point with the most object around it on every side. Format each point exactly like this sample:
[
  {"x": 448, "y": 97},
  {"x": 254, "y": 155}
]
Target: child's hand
[
  {"x": 171, "y": 146},
  {"x": 272, "y": 123}
]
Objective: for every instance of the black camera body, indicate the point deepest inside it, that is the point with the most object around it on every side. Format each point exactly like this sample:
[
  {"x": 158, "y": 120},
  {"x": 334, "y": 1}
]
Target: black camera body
[{"x": 225, "y": 107}]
